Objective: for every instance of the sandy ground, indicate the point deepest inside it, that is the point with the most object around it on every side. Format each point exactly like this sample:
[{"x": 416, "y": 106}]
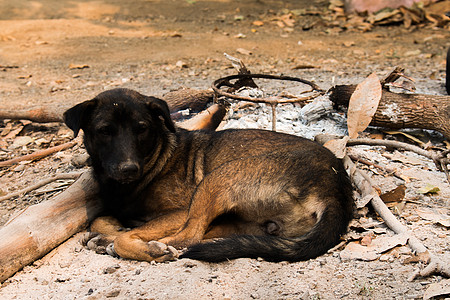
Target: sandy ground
[{"x": 58, "y": 53}]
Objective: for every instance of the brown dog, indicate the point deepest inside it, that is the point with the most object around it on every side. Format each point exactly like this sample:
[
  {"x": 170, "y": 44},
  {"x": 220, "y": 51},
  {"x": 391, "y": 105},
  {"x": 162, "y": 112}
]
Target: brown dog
[{"x": 223, "y": 195}]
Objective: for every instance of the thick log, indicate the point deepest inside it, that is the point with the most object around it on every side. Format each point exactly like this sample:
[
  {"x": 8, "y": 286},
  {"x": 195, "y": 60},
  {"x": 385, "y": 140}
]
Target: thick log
[
  {"x": 184, "y": 98},
  {"x": 397, "y": 110},
  {"x": 195, "y": 100},
  {"x": 42, "y": 227}
]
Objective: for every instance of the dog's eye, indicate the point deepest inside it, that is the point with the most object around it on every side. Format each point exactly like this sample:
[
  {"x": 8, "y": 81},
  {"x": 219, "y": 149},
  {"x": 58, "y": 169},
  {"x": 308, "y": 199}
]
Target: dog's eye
[
  {"x": 142, "y": 127},
  {"x": 105, "y": 130}
]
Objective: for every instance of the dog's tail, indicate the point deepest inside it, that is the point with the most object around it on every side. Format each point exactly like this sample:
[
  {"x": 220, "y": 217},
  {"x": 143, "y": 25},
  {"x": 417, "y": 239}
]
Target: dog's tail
[{"x": 324, "y": 235}]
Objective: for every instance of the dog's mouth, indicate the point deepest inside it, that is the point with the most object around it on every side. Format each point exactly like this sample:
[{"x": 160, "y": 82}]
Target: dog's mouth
[{"x": 125, "y": 180}]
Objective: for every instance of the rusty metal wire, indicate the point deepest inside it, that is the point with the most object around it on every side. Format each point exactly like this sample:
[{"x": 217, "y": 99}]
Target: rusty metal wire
[
  {"x": 272, "y": 101},
  {"x": 226, "y": 81}
]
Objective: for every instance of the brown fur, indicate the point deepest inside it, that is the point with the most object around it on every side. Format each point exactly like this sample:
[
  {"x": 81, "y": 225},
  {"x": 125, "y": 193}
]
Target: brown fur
[{"x": 255, "y": 193}]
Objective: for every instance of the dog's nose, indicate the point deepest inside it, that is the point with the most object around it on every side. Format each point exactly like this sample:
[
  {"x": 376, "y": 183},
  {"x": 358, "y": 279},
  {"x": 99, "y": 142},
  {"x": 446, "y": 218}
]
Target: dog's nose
[{"x": 129, "y": 169}]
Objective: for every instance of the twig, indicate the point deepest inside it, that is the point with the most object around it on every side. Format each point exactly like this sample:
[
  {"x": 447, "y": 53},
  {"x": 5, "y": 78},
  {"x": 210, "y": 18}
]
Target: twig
[
  {"x": 439, "y": 159},
  {"x": 384, "y": 169},
  {"x": 41, "y": 183},
  {"x": 365, "y": 185},
  {"x": 393, "y": 76},
  {"x": 37, "y": 155}
]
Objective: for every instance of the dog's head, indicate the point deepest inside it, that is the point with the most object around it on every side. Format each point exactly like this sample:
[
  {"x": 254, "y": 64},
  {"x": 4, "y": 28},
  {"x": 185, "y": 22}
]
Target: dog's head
[{"x": 122, "y": 129}]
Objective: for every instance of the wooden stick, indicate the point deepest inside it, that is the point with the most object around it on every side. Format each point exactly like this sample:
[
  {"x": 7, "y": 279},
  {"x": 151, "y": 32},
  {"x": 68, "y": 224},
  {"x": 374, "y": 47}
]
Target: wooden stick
[
  {"x": 177, "y": 100},
  {"x": 37, "y": 155},
  {"x": 439, "y": 159},
  {"x": 364, "y": 184},
  {"x": 43, "y": 226},
  {"x": 209, "y": 119},
  {"x": 41, "y": 183}
]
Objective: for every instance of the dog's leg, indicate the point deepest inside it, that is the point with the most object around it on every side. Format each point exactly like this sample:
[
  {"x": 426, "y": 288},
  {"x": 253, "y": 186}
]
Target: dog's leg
[
  {"x": 141, "y": 243},
  {"x": 211, "y": 199}
]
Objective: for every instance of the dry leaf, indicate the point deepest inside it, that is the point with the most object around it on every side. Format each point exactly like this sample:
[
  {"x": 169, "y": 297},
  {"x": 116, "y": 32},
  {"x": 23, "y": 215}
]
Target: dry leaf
[
  {"x": 338, "y": 146},
  {"x": 13, "y": 133},
  {"x": 367, "y": 239},
  {"x": 258, "y": 23},
  {"x": 396, "y": 195},
  {"x": 428, "y": 189},
  {"x": 438, "y": 289},
  {"x": 435, "y": 217},
  {"x": 423, "y": 257},
  {"x": 21, "y": 141},
  {"x": 7, "y": 129},
  {"x": 405, "y": 85},
  {"x": 354, "y": 250},
  {"x": 363, "y": 105},
  {"x": 287, "y": 19}
]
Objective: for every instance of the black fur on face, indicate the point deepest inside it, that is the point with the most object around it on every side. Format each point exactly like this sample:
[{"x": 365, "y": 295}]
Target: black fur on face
[{"x": 123, "y": 127}]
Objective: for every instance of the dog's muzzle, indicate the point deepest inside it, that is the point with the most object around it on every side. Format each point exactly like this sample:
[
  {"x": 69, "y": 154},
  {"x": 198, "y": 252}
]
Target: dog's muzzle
[{"x": 128, "y": 172}]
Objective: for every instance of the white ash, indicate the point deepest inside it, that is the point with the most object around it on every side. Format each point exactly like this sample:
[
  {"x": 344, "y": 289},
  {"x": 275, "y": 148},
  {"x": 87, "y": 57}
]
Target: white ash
[{"x": 289, "y": 120}]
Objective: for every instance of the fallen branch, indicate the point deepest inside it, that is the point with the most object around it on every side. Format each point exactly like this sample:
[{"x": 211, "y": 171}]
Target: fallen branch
[
  {"x": 440, "y": 159},
  {"x": 384, "y": 169},
  {"x": 364, "y": 184},
  {"x": 399, "y": 110},
  {"x": 208, "y": 119},
  {"x": 37, "y": 155},
  {"x": 177, "y": 100},
  {"x": 43, "y": 226},
  {"x": 41, "y": 183},
  {"x": 183, "y": 98}
]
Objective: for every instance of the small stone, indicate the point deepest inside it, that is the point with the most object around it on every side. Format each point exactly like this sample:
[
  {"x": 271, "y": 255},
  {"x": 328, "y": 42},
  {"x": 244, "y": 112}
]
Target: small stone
[
  {"x": 113, "y": 294},
  {"x": 111, "y": 269}
]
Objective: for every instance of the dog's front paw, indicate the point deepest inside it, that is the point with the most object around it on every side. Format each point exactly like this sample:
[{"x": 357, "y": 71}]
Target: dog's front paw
[
  {"x": 96, "y": 242},
  {"x": 161, "y": 252}
]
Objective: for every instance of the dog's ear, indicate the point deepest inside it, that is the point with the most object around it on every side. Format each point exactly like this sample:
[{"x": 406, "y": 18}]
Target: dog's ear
[
  {"x": 76, "y": 117},
  {"x": 160, "y": 108}
]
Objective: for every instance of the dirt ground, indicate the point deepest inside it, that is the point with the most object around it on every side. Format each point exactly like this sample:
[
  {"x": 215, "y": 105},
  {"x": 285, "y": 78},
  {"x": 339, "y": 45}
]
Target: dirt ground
[{"x": 58, "y": 53}]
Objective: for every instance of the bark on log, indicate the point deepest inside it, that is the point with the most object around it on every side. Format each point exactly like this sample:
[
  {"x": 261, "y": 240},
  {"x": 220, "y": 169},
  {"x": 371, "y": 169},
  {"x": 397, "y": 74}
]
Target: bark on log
[
  {"x": 42, "y": 227},
  {"x": 180, "y": 99},
  {"x": 404, "y": 110}
]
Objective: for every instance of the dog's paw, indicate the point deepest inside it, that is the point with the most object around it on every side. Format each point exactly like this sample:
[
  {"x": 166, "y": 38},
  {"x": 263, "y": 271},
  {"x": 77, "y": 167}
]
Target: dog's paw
[
  {"x": 96, "y": 242},
  {"x": 161, "y": 252}
]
